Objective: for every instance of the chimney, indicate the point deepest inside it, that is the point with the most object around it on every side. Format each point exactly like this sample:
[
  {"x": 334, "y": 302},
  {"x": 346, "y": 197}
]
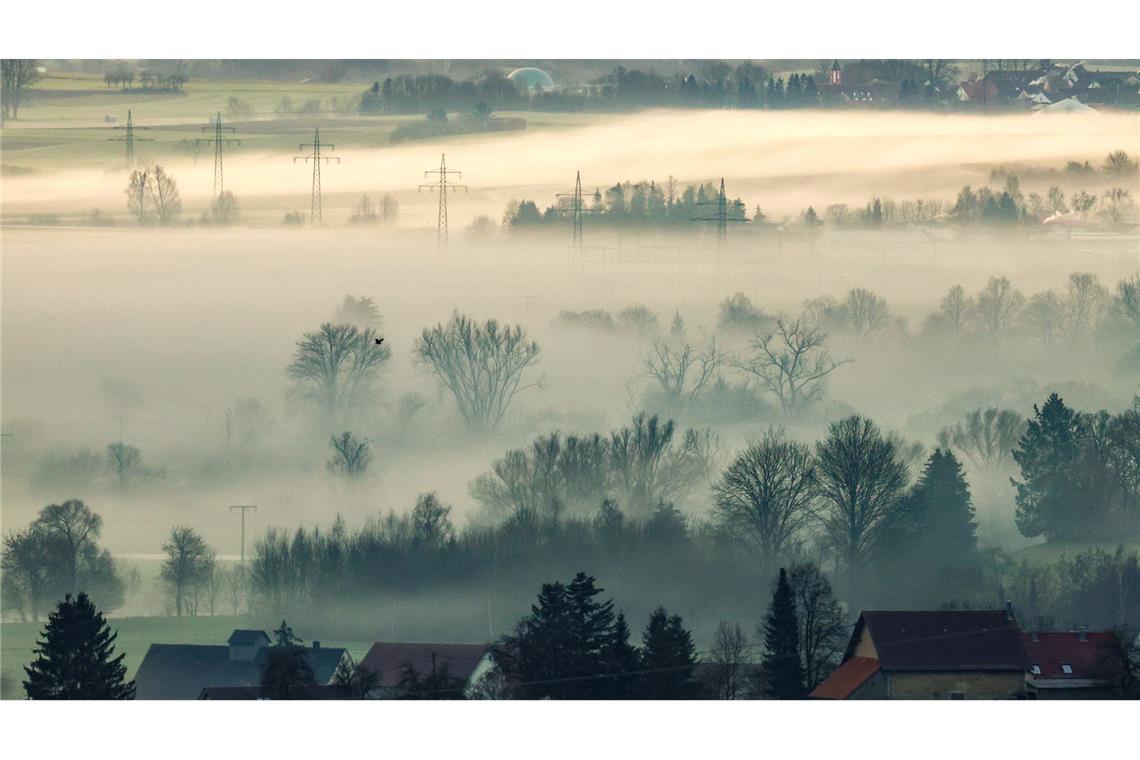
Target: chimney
[
  {"x": 316, "y": 645},
  {"x": 1009, "y": 611},
  {"x": 1083, "y": 633}
]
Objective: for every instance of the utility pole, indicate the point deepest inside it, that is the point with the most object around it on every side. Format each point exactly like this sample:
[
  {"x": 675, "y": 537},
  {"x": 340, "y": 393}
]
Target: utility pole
[
  {"x": 129, "y": 139},
  {"x": 218, "y": 141},
  {"x": 722, "y": 217},
  {"x": 316, "y": 145},
  {"x": 443, "y": 185},
  {"x": 575, "y": 211},
  {"x": 243, "y": 508}
]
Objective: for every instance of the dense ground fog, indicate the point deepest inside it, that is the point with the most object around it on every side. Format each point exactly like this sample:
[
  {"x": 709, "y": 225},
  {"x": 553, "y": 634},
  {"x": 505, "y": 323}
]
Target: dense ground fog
[
  {"x": 177, "y": 341},
  {"x": 167, "y": 329}
]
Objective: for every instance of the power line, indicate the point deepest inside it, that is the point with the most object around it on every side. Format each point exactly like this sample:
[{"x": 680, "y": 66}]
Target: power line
[
  {"x": 442, "y": 185},
  {"x": 129, "y": 139},
  {"x": 316, "y": 158},
  {"x": 722, "y": 217},
  {"x": 218, "y": 141}
]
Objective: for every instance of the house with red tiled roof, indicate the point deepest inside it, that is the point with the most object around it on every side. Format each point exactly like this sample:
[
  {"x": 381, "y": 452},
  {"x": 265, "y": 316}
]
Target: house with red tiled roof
[
  {"x": 391, "y": 660},
  {"x": 930, "y": 654},
  {"x": 1073, "y": 664}
]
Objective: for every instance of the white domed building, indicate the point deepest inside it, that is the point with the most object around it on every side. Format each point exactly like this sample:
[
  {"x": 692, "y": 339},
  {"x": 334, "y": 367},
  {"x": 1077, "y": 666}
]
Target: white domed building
[{"x": 531, "y": 80}]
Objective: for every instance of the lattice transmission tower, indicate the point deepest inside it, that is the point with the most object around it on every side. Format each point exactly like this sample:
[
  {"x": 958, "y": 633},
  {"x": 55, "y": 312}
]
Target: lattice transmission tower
[
  {"x": 218, "y": 140},
  {"x": 129, "y": 139},
  {"x": 725, "y": 213},
  {"x": 442, "y": 184},
  {"x": 576, "y": 210},
  {"x": 317, "y": 146}
]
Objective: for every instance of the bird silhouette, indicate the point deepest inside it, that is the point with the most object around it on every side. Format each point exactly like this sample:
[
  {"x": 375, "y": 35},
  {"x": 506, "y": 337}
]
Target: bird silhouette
[{"x": 379, "y": 341}]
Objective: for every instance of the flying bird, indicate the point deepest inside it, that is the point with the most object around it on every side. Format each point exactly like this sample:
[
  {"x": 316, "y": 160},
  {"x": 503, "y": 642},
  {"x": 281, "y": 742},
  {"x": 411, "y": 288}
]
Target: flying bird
[{"x": 379, "y": 341}]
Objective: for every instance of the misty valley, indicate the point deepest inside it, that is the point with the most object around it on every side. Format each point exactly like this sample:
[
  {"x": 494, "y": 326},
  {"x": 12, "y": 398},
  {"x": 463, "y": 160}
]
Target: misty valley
[{"x": 750, "y": 431}]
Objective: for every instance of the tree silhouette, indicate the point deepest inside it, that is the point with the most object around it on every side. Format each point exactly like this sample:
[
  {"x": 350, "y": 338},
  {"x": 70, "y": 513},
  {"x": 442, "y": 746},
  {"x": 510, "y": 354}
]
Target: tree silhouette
[
  {"x": 75, "y": 659},
  {"x": 783, "y": 674}
]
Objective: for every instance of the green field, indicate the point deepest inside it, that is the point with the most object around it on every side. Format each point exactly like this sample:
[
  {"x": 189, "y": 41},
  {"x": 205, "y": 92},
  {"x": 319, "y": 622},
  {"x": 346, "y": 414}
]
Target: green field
[
  {"x": 1050, "y": 553},
  {"x": 66, "y": 122},
  {"x": 17, "y": 640}
]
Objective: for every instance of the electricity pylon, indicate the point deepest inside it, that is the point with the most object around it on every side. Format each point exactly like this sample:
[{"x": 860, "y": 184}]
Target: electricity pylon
[
  {"x": 218, "y": 140},
  {"x": 722, "y": 217},
  {"x": 243, "y": 508},
  {"x": 575, "y": 211},
  {"x": 443, "y": 185},
  {"x": 316, "y": 158},
  {"x": 129, "y": 139}
]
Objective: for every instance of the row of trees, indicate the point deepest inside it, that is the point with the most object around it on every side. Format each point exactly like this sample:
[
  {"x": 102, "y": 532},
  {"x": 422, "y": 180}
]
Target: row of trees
[
  {"x": 644, "y": 203},
  {"x": 640, "y": 465}
]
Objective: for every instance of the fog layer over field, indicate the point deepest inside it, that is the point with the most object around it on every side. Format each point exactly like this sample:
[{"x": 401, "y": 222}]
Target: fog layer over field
[
  {"x": 782, "y": 161},
  {"x": 157, "y": 332}
]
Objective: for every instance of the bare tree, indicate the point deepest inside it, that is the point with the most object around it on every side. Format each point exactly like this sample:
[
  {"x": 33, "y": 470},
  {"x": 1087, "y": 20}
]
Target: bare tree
[
  {"x": 16, "y": 76},
  {"x": 1116, "y": 205},
  {"x": 987, "y": 436},
  {"x": 334, "y": 367},
  {"x": 727, "y": 659},
  {"x": 138, "y": 195},
  {"x": 791, "y": 362},
  {"x": 955, "y": 312},
  {"x": 123, "y": 460},
  {"x": 682, "y": 370},
  {"x": 26, "y": 565},
  {"x": 646, "y": 468},
  {"x": 1127, "y": 300},
  {"x": 1045, "y": 317},
  {"x": 351, "y": 455},
  {"x": 482, "y": 365},
  {"x": 163, "y": 193},
  {"x": 764, "y": 498},
  {"x": 245, "y": 422},
  {"x": 823, "y": 630},
  {"x": 1087, "y": 299},
  {"x": 76, "y": 527},
  {"x": 998, "y": 306},
  {"x": 861, "y": 481},
  {"x": 431, "y": 521},
  {"x": 187, "y": 569}
]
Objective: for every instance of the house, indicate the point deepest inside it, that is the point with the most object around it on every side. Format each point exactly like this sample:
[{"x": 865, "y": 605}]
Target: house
[
  {"x": 183, "y": 671},
  {"x": 391, "y": 659},
  {"x": 1072, "y": 664},
  {"x": 938, "y": 654}
]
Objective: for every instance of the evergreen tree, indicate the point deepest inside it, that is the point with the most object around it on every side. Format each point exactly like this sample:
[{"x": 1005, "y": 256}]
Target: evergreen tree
[
  {"x": 947, "y": 511},
  {"x": 1049, "y": 498},
  {"x": 623, "y": 660},
  {"x": 286, "y": 671},
  {"x": 75, "y": 659},
  {"x": 931, "y": 549},
  {"x": 565, "y": 646},
  {"x": 783, "y": 674},
  {"x": 667, "y": 657}
]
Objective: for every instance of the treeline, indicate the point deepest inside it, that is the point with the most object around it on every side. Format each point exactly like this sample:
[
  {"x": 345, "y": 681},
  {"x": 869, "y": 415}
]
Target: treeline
[
  {"x": 714, "y": 84},
  {"x": 649, "y": 204},
  {"x": 644, "y": 203},
  {"x": 848, "y": 502}
]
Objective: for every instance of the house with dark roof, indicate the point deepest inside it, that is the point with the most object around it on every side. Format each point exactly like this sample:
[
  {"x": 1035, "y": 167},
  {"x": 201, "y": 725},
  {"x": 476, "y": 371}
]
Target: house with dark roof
[
  {"x": 935, "y": 654},
  {"x": 391, "y": 660},
  {"x": 183, "y": 671},
  {"x": 1073, "y": 664}
]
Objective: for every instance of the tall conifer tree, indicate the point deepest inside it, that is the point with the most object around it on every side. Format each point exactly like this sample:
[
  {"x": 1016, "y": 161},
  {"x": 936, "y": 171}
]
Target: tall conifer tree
[{"x": 76, "y": 657}]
